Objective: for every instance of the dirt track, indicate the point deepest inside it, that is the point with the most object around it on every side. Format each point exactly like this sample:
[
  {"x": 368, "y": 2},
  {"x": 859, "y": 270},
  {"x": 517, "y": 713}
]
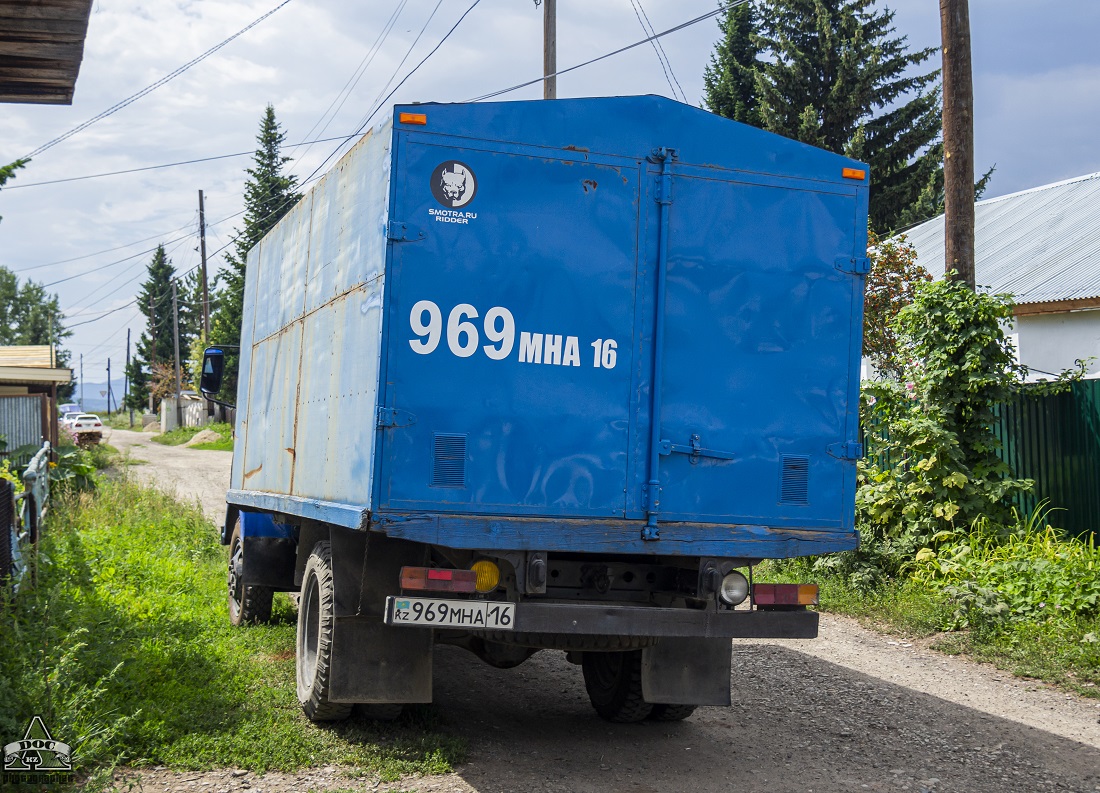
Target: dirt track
[{"x": 851, "y": 711}]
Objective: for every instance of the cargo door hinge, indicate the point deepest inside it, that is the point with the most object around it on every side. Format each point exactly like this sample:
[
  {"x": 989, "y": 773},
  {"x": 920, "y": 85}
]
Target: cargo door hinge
[
  {"x": 403, "y": 232},
  {"x": 394, "y": 417},
  {"x": 853, "y": 265},
  {"x": 849, "y": 450}
]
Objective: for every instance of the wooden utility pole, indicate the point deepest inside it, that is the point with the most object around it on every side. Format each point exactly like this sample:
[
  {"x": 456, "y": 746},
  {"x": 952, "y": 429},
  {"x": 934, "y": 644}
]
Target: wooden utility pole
[
  {"x": 202, "y": 262},
  {"x": 176, "y": 345},
  {"x": 958, "y": 140},
  {"x": 153, "y": 339},
  {"x": 126, "y": 382},
  {"x": 549, "y": 48},
  {"x": 108, "y": 386}
]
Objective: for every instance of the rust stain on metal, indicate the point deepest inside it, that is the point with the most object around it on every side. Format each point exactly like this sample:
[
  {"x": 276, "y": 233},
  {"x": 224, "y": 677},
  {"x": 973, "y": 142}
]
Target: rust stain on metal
[
  {"x": 588, "y": 184},
  {"x": 254, "y": 471},
  {"x": 581, "y": 149}
]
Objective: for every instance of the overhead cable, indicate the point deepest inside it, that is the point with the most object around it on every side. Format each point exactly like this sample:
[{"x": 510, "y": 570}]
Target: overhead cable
[
  {"x": 613, "y": 53},
  {"x": 152, "y": 87},
  {"x": 662, "y": 56}
]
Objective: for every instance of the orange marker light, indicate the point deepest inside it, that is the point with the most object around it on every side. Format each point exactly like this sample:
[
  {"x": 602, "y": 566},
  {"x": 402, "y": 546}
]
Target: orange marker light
[
  {"x": 415, "y": 118},
  {"x": 847, "y": 173}
]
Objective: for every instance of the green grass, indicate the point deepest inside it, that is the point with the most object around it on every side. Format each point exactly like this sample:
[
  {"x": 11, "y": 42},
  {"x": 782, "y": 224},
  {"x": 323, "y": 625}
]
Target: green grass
[
  {"x": 121, "y": 420},
  {"x": 182, "y": 435},
  {"x": 124, "y": 648},
  {"x": 1063, "y": 649}
]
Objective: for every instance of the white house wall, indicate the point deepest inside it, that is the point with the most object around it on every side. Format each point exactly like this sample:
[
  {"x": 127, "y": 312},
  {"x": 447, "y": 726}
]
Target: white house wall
[{"x": 1050, "y": 343}]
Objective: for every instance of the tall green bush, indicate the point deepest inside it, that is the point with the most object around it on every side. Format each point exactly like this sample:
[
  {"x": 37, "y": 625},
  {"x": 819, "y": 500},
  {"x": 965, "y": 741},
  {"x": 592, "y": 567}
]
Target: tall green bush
[{"x": 935, "y": 425}]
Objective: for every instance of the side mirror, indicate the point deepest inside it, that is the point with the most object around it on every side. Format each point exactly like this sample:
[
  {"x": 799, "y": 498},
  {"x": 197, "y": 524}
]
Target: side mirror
[{"x": 213, "y": 363}]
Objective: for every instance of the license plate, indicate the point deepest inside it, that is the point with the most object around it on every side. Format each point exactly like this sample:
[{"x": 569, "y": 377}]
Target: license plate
[{"x": 486, "y": 615}]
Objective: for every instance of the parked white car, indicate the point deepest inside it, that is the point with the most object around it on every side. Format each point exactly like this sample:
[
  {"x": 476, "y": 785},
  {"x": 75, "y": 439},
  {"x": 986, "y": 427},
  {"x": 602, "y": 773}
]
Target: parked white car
[{"x": 87, "y": 428}]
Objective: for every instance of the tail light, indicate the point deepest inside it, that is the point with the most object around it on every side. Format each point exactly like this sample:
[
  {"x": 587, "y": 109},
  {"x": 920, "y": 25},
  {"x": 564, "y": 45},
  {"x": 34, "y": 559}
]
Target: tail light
[
  {"x": 785, "y": 594},
  {"x": 430, "y": 579}
]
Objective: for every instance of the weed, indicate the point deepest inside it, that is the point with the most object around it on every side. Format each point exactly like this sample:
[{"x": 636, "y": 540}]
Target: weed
[
  {"x": 182, "y": 435},
  {"x": 124, "y": 648}
]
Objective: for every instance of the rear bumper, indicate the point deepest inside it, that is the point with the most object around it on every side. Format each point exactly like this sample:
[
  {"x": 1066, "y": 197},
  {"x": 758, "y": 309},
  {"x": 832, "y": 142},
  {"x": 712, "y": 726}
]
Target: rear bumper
[{"x": 648, "y": 621}]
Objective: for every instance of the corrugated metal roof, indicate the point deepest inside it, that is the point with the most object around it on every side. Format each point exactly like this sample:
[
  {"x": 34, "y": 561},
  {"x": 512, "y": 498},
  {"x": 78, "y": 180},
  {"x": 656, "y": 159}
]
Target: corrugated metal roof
[
  {"x": 1041, "y": 245},
  {"x": 37, "y": 356}
]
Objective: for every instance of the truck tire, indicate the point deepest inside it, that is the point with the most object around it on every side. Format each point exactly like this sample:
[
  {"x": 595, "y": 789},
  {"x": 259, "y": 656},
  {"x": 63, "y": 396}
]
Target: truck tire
[
  {"x": 247, "y": 604},
  {"x": 314, "y": 644},
  {"x": 614, "y": 685},
  {"x": 671, "y": 712}
]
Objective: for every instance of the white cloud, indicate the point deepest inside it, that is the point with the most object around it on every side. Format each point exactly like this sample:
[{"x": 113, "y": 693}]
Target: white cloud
[{"x": 301, "y": 57}]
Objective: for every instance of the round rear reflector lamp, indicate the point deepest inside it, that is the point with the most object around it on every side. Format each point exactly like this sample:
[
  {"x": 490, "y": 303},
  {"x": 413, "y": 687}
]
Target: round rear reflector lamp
[
  {"x": 488, "y": 575},
  {"x": 734, "y": 589}
]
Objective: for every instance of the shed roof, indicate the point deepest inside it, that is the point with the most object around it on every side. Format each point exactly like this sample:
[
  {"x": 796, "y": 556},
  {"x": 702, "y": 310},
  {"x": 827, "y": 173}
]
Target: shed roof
[
  {"x": 37, "y": 356},
  {"x": 1042, "y": 245},
  {"x": 31, "y": 365},
  {"x": 41, "y": 47}
]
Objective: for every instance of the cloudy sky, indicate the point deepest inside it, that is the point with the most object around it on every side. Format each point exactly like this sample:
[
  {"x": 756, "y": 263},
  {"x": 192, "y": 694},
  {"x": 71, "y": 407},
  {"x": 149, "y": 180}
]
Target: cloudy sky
[{"x": 1037, "y": 80}]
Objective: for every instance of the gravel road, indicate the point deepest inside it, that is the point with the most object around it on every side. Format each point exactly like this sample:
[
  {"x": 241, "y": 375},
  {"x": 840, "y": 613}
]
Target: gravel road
[
  {"x": 851, "y": 711},
  {"x": 190, "y": 474}
]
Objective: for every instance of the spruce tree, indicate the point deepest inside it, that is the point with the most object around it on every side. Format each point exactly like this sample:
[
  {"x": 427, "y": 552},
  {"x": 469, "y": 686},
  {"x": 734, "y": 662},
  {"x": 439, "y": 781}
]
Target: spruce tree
[
  {"x": 730, "y": 77},
  {"x": 269, "y": 194},
  {"x": 155, "y": 346},
  {"x": 837, "y": 77}
]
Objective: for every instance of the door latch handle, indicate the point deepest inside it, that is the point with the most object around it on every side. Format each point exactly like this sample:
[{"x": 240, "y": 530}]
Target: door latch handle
[{"x": 694, "y": 450}]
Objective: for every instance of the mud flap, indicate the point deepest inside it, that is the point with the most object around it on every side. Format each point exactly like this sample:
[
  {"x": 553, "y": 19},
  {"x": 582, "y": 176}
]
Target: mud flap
[
  {"x": 372, "y": 662},
  {"x": 687, "y": 671}
]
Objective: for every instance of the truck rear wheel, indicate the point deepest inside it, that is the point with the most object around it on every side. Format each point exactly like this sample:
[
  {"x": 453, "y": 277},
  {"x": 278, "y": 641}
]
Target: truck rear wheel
[
  {"x": 247, "y": 604},
  {"x": 315, "y": 621},
  {"x": 671, "y": 712},
  {"x": 614, "y": 684}
]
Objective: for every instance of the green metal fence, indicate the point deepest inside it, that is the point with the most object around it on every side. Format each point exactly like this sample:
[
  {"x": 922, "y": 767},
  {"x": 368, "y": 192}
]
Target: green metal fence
[{"x": 1055, "y": 440}]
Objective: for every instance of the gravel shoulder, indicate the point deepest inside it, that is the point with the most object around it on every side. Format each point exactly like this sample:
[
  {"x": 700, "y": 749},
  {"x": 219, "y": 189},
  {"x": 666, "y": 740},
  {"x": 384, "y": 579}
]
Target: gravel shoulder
[
  {"x": 850, "y": 711},
  {"x": 189, "y": 474}
]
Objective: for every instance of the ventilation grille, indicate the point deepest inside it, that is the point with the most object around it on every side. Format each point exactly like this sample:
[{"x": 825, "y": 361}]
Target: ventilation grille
[
  {"x": 448, "y": 460},
  {"x": 794, "y": 486}
]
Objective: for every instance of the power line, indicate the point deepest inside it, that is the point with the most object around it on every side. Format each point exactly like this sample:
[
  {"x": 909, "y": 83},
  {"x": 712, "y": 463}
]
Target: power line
[
  {"x": 100, "y": 253},
  {"x": 127, "y": 270},
  {"x": 379, "y": 105},
  {"x": 662, "y": 56},
  {"x": 619, "y": 51},
  {"x": 156, "y": 167},
  {"x": 152, "y": 87},
  {"x": 314, "y": 174},
  {"x": 408, "y": 52},
  {"x": 353, "y": 81}
]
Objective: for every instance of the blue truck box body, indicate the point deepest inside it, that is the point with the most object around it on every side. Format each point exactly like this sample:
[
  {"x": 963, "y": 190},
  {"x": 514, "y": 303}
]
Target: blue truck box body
[{"x": 456, "y": 336}]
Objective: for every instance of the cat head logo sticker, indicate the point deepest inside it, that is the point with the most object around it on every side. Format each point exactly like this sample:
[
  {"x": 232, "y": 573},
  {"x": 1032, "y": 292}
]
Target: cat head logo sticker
[{"x": 453, "y": 184}]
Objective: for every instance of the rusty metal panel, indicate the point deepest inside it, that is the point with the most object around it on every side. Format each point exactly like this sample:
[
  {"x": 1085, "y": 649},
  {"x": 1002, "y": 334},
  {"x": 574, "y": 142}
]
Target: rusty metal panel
[
  {"x": 21, "y": 420},
  {"x": 347, "y": 237},
  {"x": 269, "y": 447},
  {"x": 282, "y": 271},
  {"x": 338, "y": 395},
  {"x": 313, "y": 324},
  {"x": 337, "y": 398},
  {"x": 244, "y": 373}
]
